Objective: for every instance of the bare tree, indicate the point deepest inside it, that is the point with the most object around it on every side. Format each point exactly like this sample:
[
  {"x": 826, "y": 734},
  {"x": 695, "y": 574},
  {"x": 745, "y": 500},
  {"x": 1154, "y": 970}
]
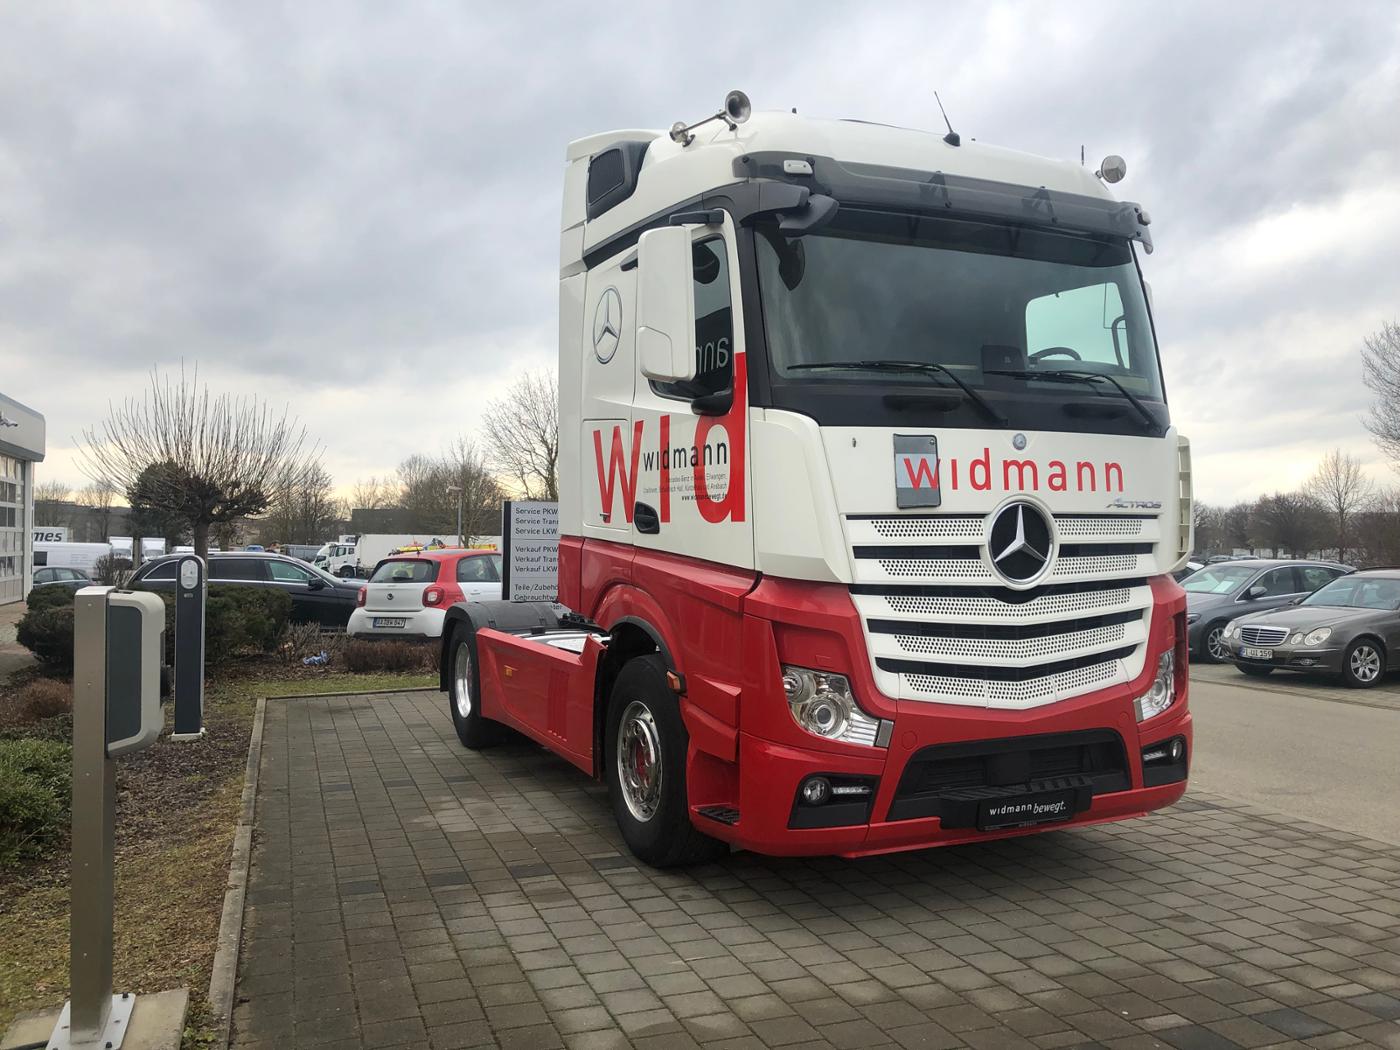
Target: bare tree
[
  {"x": 428, "y": 491},
  {"x": 216, "y": 456},
  {"x": 1235, "y": 527},
  {"x": 1343, "y": 490},
  {"x": 1288, "y": 521},
  {"x": 52, "y": 503},
  {"x": 98, "y": 496},
  {"x": 370, "y": 494},
  {"x": 303, "y": 508},
  {"x": 522, "y": 434},
  {"x": 1209, "y": 528},
  {"x": 1380, "y": 370}
]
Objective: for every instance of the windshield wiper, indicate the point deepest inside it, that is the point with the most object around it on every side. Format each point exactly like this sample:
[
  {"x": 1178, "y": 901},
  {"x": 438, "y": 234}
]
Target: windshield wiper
[
  {"x": 1070, "y": 375},
  {"x": 926, "y": 367}
]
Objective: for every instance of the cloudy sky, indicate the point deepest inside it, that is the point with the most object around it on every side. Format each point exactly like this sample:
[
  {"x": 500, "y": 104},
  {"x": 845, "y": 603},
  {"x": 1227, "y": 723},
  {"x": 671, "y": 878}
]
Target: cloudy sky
[{"x": 357, "y": 213}]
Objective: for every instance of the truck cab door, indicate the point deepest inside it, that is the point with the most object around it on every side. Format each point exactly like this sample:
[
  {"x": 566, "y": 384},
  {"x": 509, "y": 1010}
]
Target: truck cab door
[
  {"x": 692, "y": 495},
  {"x": 609, "y": 446}
]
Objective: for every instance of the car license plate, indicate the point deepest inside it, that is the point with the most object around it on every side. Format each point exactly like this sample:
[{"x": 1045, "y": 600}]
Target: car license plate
[
  {"x": 1256, "y": 654},
  {"x": 389, "y": 621},
  {"x": 1037, "y": 807}
]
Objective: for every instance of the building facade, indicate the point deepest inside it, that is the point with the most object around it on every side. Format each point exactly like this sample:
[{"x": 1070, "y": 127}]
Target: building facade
[{"x": 21, "y": 446}]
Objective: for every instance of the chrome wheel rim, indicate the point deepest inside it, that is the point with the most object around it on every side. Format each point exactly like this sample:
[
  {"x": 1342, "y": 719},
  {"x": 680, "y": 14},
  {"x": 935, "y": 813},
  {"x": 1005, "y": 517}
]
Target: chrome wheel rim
[
  {"x": 462, "y": 680},
  {"x": 639, "y": 761},
  {"x": 1365, "y": 663},
  {"x": 1215, "y": 642}
]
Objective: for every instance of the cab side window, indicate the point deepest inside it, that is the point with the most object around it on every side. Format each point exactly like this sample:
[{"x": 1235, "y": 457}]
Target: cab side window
[{"x": 714, "y": 325}]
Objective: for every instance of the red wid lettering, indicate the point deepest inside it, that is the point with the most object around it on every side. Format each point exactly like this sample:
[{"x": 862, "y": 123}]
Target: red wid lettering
[{"x": 616, "y": 466}]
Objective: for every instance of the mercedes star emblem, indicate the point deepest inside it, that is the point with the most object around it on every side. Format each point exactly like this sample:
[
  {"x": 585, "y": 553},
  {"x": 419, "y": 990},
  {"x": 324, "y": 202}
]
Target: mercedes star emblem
[
  {"x": 607, "y": 325},
  {"x": 1019, "y": 543}
]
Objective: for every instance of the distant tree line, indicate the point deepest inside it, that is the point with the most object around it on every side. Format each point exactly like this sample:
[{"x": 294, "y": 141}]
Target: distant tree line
[{"x": 216, "y": 470}]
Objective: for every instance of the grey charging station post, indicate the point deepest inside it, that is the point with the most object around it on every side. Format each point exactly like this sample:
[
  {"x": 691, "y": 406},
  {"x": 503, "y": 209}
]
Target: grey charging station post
[
  {"x": 117, "y": 653},
  {"x": 191, "y": 586}
]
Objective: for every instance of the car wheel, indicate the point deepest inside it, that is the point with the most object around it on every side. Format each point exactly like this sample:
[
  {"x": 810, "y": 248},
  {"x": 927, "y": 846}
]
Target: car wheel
[
  {"x": 464, "y": 693},
  {"x": 646, "y": 744},
  {"x": 1254, "y": 671},
  {"x": 1213, "y": 647},
  {"x": 1363, "y": 664}
]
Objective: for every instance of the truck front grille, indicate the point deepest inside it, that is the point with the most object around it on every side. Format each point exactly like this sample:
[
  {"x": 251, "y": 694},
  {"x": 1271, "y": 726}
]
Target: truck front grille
[{"x": 942, "y": 627}]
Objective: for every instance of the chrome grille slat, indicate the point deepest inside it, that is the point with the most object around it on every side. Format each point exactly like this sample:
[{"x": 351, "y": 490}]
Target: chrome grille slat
[
  {"x": 891, "y": 572},
  {"x": 1263, "y": 635}
]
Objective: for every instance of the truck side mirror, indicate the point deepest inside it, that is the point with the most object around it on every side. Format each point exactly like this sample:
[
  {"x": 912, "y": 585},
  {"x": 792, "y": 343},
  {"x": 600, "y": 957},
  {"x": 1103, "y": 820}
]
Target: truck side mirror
[{"x": 666, "y": 305}]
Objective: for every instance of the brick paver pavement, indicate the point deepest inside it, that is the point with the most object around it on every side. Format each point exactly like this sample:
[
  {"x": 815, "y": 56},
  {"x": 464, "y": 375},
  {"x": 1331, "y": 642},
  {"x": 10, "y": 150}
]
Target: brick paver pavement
[{"x": 406, "y": 892}]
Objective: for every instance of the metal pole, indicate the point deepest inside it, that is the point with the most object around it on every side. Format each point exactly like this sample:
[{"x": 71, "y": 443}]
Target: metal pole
[
  {"x": 461, "y": 540},
  {"x": 94, "y": 815}
]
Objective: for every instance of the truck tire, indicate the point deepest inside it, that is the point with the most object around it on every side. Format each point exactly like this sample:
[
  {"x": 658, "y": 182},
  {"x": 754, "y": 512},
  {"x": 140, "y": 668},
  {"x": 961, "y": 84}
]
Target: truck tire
[
  {"x": 464, "y": 692},
  {"x": 345, "y": 572},
  {"x": 644, "y": 752}
]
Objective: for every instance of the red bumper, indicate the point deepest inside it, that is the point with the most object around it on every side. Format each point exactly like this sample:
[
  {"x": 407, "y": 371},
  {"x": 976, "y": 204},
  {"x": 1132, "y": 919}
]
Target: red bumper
[
  {"x": 816, "y": 626},
  {"x": 767, "y": 798}
]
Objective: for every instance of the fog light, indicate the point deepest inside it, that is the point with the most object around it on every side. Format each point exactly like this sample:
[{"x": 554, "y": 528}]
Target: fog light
[
  {"x": 1178, "y": 749},
  {"x": 816, "y": 790}
]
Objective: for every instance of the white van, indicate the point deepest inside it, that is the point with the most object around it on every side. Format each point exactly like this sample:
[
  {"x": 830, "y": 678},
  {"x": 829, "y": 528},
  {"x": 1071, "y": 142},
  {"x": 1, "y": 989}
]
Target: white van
[{"x": 83, "y": 556}]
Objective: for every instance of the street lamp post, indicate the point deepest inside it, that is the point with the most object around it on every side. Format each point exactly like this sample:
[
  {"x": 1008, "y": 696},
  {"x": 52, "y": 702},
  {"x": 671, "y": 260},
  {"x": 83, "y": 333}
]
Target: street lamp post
[{"x": 461, "y": 541}]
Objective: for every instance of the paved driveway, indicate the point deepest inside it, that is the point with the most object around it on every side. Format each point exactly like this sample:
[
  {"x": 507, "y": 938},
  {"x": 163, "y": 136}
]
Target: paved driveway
[{"x": 406, "y": 892}]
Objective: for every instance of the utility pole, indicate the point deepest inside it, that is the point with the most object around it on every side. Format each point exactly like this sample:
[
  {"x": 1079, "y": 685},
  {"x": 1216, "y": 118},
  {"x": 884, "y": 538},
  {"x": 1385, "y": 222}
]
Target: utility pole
[{"x": 461, "y": 540}]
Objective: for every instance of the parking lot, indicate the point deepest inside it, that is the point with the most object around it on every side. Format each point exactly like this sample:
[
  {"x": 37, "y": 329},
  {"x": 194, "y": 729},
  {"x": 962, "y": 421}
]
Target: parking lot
[{"x": 405, "y": 892}]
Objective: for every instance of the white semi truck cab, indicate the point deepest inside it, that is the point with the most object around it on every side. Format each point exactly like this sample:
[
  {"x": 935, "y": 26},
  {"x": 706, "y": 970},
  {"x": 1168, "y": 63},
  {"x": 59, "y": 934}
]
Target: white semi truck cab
[{"x": 869, "y": 497}]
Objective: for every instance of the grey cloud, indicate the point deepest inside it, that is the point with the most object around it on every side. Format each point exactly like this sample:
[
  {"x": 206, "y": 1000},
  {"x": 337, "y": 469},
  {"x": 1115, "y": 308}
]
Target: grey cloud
[{"x": 324, "y": 195}]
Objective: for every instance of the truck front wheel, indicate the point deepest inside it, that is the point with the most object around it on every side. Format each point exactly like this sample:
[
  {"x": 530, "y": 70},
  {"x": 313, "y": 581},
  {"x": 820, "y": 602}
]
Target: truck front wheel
[
  {"x": 645, "y": 754},
  {"x": 464, "y": 692}
]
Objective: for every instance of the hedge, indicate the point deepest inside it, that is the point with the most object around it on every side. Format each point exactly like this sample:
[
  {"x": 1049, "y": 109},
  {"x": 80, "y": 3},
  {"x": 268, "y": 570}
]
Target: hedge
[
  {"x": 236, "y": 620},
  {"x": 35, "y": 782}
]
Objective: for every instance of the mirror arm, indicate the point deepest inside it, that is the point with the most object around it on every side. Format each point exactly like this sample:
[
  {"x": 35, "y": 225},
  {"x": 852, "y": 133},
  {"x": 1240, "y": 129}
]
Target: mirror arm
[{"x": 716, "y": 404}]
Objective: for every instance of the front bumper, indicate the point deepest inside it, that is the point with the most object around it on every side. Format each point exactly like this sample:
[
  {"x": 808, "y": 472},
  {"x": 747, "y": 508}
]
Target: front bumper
[
  {"x": 418, "y": 624},
  {"x": 768, "y": 812},
  {"x": 1325, "y": 659}
]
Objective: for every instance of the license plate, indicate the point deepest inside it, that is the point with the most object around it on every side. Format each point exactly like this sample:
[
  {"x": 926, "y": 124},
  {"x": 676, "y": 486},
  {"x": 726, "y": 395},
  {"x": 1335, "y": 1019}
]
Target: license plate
[
  {"x": 1256, "y": 654},
  {"x": 389, "y": 621},
  {"x": 1039, "y": 807}
]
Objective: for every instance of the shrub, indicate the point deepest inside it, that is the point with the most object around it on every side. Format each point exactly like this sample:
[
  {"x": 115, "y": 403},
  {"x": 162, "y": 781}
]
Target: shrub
[
  {"x": 48, "y": 634},
  {"x": 35, "y": 779},
  {"x": 40, "y": 699},
  {"x": 236, "y": 620},
  {"x": 362, "y": 655},
  {"x": 52, "y": 597}
]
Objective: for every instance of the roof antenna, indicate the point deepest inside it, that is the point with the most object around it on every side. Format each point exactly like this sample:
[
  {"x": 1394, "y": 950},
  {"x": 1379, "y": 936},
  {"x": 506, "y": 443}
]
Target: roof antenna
[{"x": 952, "y": 137}]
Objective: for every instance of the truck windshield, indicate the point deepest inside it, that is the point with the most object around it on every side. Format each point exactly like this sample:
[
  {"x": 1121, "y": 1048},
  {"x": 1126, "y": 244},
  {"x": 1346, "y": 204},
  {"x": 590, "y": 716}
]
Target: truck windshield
[{"x": 993, "y": 304}]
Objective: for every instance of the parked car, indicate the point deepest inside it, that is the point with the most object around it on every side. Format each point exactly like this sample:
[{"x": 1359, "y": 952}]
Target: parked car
[
  {"x": 58, "y": 576},
  {"x": 1226, "y": 590},
  {"x": 317, "y": 596},
  {"x": 1186, "y": 570},
  {"x": 408, "y": 595},
  {"x": 1348, "y": 628}
]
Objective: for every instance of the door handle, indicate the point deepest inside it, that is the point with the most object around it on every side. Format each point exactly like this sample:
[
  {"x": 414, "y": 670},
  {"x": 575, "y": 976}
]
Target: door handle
[{"x": 645, "y": 518}]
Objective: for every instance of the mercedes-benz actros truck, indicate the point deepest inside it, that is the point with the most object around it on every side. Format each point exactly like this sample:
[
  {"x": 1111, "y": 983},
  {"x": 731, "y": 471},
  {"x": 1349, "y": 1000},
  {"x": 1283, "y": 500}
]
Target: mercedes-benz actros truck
[{"x": 869, "y": 497}]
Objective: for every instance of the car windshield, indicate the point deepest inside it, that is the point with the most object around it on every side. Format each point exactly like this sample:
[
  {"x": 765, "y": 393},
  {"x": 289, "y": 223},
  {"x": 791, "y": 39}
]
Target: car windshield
[
  {"x": 1218, "y": 579},
  {"x": 973, "y": 297},
  {"x": 405, "y": 570},
  {"x": 1358, "y": 592}
]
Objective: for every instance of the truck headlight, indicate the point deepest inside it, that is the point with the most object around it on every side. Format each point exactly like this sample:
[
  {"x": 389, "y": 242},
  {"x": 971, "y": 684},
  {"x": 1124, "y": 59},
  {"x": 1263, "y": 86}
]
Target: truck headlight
[
  {"x": 1163, "y": 691},
  {"x": 822, "y": 704},
  {"x": 1318, "y": 636}
]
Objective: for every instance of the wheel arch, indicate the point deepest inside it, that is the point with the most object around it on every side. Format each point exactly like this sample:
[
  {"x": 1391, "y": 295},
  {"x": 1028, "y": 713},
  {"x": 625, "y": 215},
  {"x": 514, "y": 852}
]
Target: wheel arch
[{"x": 629, "y": 638}]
